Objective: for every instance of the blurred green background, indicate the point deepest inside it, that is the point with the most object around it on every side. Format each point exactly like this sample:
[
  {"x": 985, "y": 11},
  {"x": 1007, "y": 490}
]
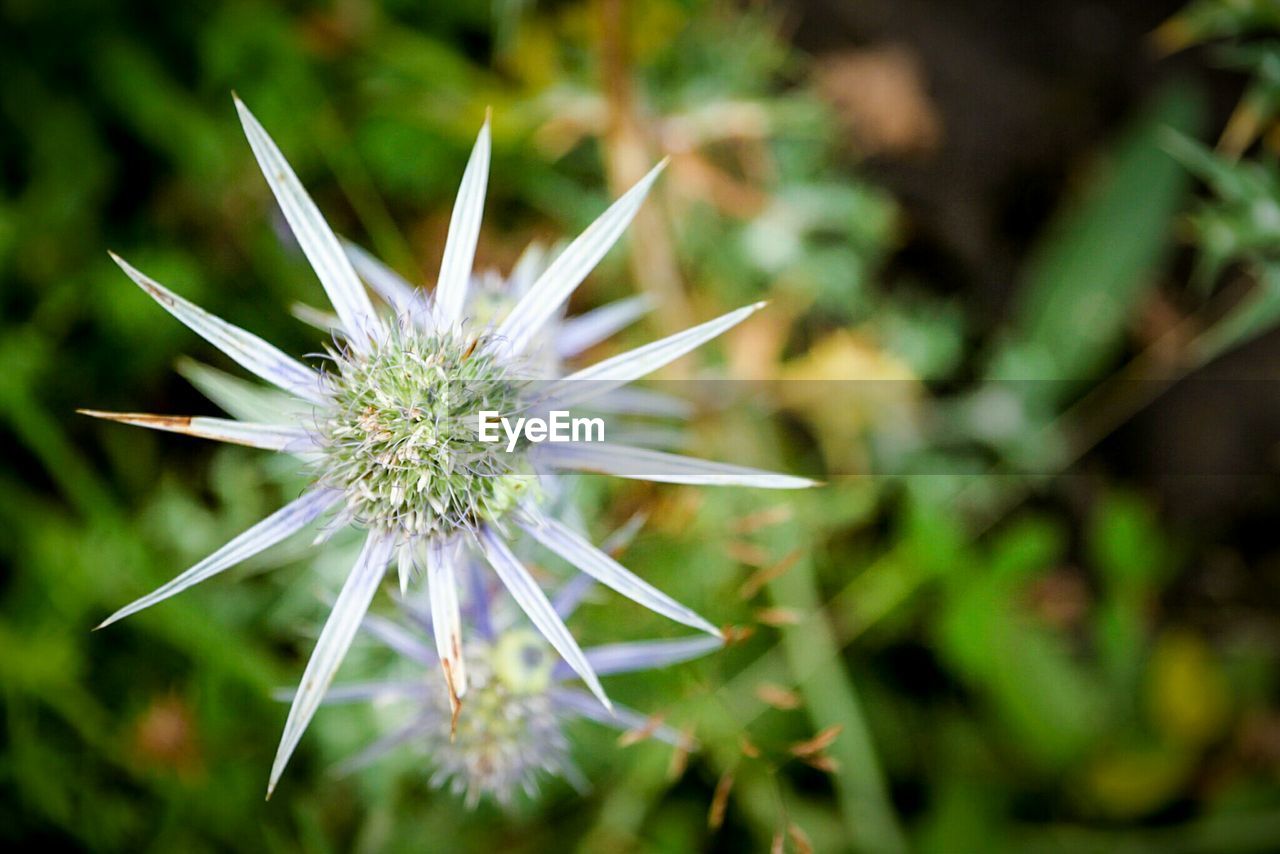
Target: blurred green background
[{"x": 1032, "y": 222}]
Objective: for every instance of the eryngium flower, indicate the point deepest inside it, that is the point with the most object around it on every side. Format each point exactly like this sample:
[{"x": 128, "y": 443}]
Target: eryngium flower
[
  {"x": 386, "y": 431},
  {"x": 518, "y": 702}
]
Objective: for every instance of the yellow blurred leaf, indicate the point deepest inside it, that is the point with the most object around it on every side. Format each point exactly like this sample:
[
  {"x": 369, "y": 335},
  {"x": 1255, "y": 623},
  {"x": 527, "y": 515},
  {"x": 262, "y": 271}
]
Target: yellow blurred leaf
[
  {"x": 1187, "y": 693},
  {"x": 846, "y": 386},
  {"x": 1131, "y": 783}
]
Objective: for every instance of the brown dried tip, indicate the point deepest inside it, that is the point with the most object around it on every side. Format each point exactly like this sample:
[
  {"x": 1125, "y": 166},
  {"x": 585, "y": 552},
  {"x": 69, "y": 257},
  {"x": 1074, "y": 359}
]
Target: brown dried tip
[
  {"x": 455, "y": 702},
  {"x": 720, "y": 801},
  {"x": 677, "y": 765},
  {"x": 753, "y": 522},
  {"x": 757, "y": 580},
  {"x": 819, "y": 742},
  {"x": 779, "y": 616},
  {"x": 635, "y": 736},
  {"x": 748, "y": 553},
  {"x": 471, "y": 348},
  {"x": 736, "y": 634},
  {"x": 777, "y": 696},
  {"x": 824, "y": 763},
  {"x": 779, "y": 845},
  {"x": 163, "y": 422},
  {"x": 680, "y": 756},
  {"x": 799, "y": 839},
  {"x": 748, "y": 748}
]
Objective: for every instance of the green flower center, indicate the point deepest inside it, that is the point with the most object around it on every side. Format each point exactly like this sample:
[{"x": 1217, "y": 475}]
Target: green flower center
[
  {"x": 401, "y": 440},
  {"x": 508, "y": 733}
]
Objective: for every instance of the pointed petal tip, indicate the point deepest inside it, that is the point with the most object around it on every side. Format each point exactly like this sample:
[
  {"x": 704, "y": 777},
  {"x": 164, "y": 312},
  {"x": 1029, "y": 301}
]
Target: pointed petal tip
[
  {"x": 129, "y": 270},
  {"x": 135, "y": 274},
  {"x": 115, "y": 617},
  {"x": 597, "y": 691},
  {"x": 653, "y": 174},
  {"x": 704, "y": 625}
]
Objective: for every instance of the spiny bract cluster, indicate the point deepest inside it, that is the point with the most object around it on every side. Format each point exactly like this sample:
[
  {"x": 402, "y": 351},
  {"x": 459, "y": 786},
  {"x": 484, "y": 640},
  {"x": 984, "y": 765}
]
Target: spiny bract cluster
[{"x": 401, "y": 442}]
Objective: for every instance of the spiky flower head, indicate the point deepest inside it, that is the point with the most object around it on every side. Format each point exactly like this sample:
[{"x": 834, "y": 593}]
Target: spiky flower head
[
  {"x": 510, "y": 734},
  {"x": 385, "y": 429},
  {"x": 520, "y": 701},
  {"x": 400, "y": 439}
]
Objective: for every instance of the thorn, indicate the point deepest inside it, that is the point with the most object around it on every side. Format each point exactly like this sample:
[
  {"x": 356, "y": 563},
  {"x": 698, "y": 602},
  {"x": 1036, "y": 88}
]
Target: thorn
[
  {"x": 777, "y": 696},
  {"x": 757, "y": 580},
  {"x": 778, "y": 616},
  {"x": 753, "y": 522},
  {"x": 642, "y": 733},
  {"x": 680, "y": 756},
  {"x": 818, "y": 743},
  {"x": 720, "y": 801}
]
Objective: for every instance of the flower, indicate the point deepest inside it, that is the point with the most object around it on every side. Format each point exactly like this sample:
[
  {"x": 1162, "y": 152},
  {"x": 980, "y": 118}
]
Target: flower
[
  {"x": 387, "y": 430},
  {"x": 518, "y": 702}
]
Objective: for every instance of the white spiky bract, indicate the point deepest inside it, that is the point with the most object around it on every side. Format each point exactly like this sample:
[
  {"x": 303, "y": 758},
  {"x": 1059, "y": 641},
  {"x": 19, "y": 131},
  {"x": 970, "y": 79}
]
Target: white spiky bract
[{"x": 388, "y": 431}]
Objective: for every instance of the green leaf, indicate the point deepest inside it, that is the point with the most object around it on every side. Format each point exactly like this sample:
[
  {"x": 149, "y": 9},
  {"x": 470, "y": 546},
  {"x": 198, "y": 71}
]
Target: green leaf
[
  {"x": 1125, "y": 542},
  {"x": 1093, "y": 268}
]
